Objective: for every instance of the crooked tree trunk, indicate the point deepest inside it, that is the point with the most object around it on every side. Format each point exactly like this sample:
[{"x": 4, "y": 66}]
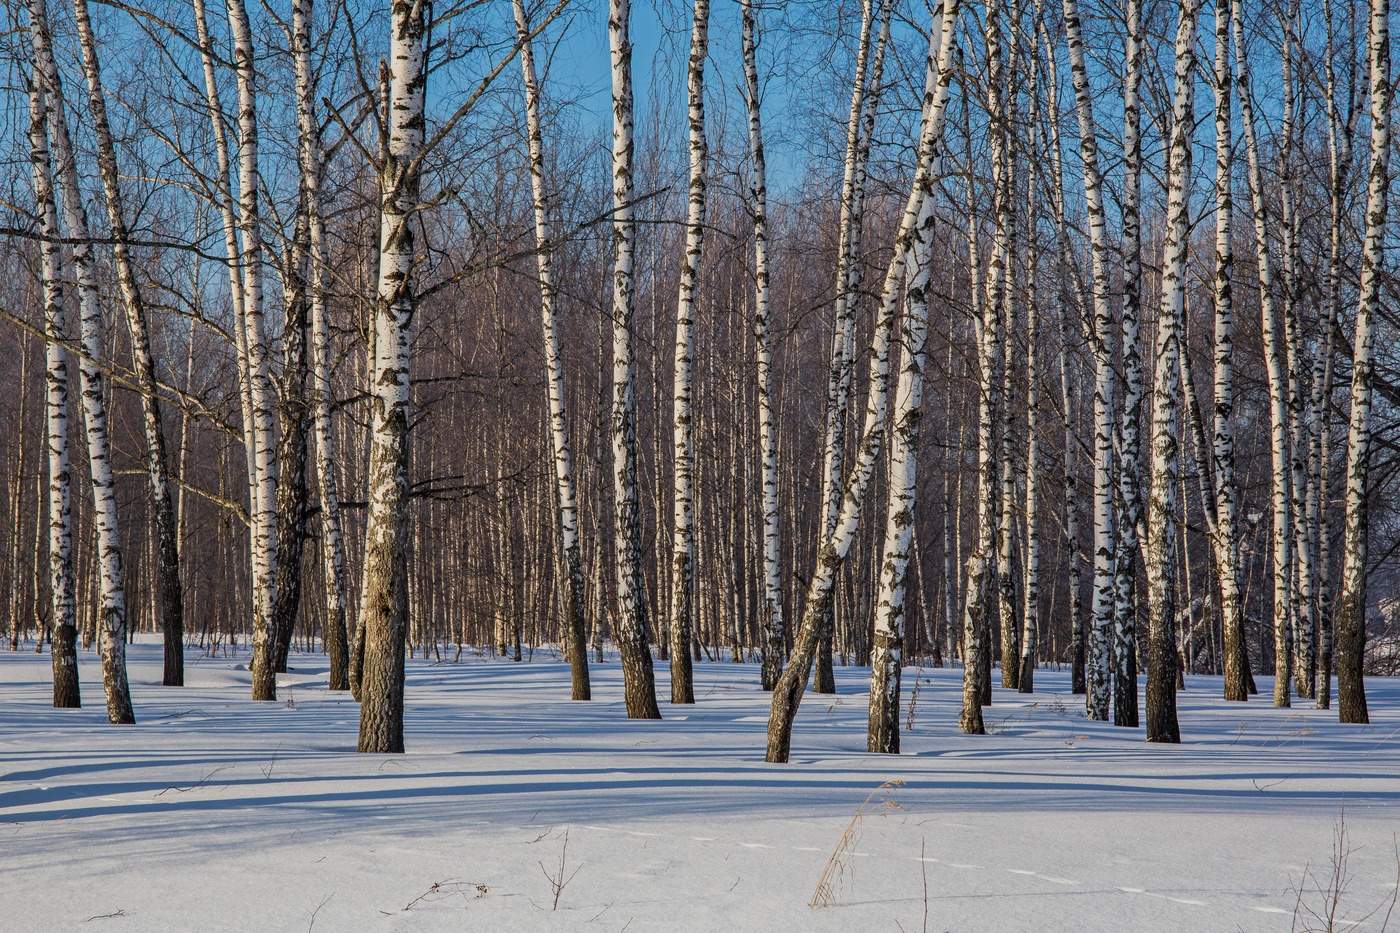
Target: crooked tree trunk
[
  {"x": 787, "y": 695},
  {"x": 1351, "y": 618},
  {"x": 859, "y": 124},
  {"x": 167, "y": 569}
]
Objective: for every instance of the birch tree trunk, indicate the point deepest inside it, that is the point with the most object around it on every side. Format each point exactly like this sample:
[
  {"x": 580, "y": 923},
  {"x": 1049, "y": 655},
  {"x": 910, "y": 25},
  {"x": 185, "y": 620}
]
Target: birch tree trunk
[
  {"x": 773, "y": 627},
  {"x": 263, "y": 396},
  {"x": 1161, "y": 557},
  {"x": 565, "y": 496},
  {"x": 1351, "y": 617},
  {"x": 384, "y": 587},
  {"x": 333, "y": 632},
  {"x": 683, "y": 542},
  {"x": 1302, "y": 608},
  {"x": 887, "y": 654},
  {"x": 63, "y": 647},
  {"x": 1226, "y": 541},
  {"x": 224, "y": 191},
  {"x": 864, "y": 93},
  {"x": 787, "y": 695},
  {"x": 1098, "y": 674},
  {"x": 1278, "y": 388},
  {"x": 1339, "y": 150},
  {"x": 167, "y": 571},
  {"x": 1125, "y": 698},
  {"x": 92, "y": 381},
  {"x": 639, "y": 684}
]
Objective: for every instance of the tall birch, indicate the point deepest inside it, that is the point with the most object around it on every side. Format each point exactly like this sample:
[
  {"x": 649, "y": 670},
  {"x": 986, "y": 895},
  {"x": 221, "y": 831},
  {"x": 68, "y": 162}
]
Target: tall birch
[
  {"x": 1098, "y": 663},
  {"x": 384, "y": 587},
  {"x": 1161, "y": 554},
  {"x": 167, "y": 571},
  {"x": 1125, "y": 698},
  {"x": 773, "y": 627},
  {"x": 787, "y": 695},
  {"x": 639, "y": 686},
  {"x": 263, "y": 511},
  {"x": 92, "y": 380},
  {"x": 566, "y": 498},
  {"x": 333, "y": 633},
  {"x": 683, "y": 516},
  {"x": 63, "y": 599},
  {"x": 1226, "y": 540},
  {"x": 1350, "y": 628},
  {"x": 1274, "y": 363}
]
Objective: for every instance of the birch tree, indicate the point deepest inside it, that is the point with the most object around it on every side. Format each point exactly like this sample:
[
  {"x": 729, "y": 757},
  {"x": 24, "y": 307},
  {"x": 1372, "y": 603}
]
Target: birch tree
[
  {"x": 887, "y": 652},
  {"x": 639, "y": 685},
  {"x": 1350, "y": 629},
  {"x": 787, "y": 695},
  {"x": 263, "y": 510},
  {"x": 92, "y": 380},
  {"x": 63, "y": 599},
  {"x": 1161, "y": 553},
  {"x": 1275, "y": 367},
  {"x": 167, "y": 573},
  {"x": 1226, "y": 539},
  {"x": 384, "y": 588},
  {"x": 566, "y": 498},
  {"x": 1098, "y": 674},
  {"x": 333, "y": 632},
  {"x": 683, "y": 543},
  {"x": 1125, "y": 705},
  {"x": 774, "y": 630}
]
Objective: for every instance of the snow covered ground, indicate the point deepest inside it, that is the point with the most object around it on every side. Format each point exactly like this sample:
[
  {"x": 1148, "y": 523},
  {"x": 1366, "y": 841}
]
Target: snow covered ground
[{"x": 216, "y": 813}]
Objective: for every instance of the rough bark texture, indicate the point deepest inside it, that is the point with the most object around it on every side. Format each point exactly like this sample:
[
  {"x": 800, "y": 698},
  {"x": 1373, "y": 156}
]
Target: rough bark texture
[
  {"x": 1161, "y": 557},
  {"x": 92, "y": 380},
  {"x": 683, "y": 461},
  {"x": 1350, "y": 629},
  {"x": 167, "y": 570},
  {"x": 62, "y": 595},
  {"x": 639, "y": 685},
  {"x": 384, "y": 590},
  {"x": 566, "y": 498}
]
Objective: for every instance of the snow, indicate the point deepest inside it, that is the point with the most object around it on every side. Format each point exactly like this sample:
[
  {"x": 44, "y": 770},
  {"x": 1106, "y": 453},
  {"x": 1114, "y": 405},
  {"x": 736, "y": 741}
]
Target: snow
[{"x": 216, "y": 813}]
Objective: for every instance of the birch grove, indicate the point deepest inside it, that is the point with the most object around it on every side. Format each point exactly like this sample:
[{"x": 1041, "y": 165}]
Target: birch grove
[{"x": 408, "y": 334}]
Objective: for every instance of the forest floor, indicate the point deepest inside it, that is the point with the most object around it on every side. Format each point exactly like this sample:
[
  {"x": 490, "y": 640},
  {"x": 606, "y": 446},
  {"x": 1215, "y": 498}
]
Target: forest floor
[{"x": 214, "y": 813}]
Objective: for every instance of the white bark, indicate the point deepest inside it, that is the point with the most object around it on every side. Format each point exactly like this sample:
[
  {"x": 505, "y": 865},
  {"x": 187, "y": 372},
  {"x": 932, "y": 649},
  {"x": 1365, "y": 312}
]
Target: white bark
[
  {"x": 92, "y": 380},
  {"x": 1351, "y": 619},
  {"x": 683, "y": 461},
  {"x": 1161, "y": 554},
  {"x": 1271, "y": 325},
  {"x": 1101, "y": 626},
  {"x": 774, "y": 629},
  {"x": 62, "y": 596},
  {"x": 263, "y": 510},
  {"x": 566, "y": 498},
  {"x": 631, "y": 626}
]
